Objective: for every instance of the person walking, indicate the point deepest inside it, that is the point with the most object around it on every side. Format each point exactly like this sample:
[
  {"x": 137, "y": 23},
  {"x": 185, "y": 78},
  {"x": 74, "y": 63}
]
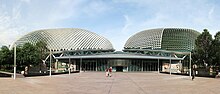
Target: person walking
[
  {"x": 217, "y": 71},
  {"x": 106, "y": 72},
  {"x": 193, "y": 72},
  {"x": 110, "y": 71}
]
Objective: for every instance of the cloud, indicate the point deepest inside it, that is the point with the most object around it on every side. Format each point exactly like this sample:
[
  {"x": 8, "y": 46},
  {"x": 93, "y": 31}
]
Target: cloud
[
  {"x": 9, "y": 31},
  {"x": 17, "y": 18},
  {"x": 190, "y": 14},
  {"x": 9, "y": 28},
  {"x": 93, "y": 8},
  {"x": 127, "y": 23},
  {"x": 115, "y": 19},
  {"x": 211, "y": 12},
  {"x": 26, "y": 1},
  {"x": 20, "y": 17},
  {"x": 49, "y": 14}
]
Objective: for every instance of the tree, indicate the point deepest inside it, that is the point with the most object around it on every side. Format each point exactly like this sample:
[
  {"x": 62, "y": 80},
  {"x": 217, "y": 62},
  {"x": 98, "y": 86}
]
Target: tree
[
  {"x": 216, "y": 50},
  {"x": 42, "y": 52},
  {"x": 19, "y": 57},
  {"x": 202, "y": 52},
  {"x": 28, "y": 55},
  {"x": 5, "y": 57}
]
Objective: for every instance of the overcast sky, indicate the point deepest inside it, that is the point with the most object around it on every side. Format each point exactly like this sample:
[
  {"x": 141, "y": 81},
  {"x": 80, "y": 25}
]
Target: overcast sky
[{"x": 116, "y": 20}]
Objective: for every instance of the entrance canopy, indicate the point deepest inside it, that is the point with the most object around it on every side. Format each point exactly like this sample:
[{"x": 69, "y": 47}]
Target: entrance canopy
[{"x": 116, "y": 56}]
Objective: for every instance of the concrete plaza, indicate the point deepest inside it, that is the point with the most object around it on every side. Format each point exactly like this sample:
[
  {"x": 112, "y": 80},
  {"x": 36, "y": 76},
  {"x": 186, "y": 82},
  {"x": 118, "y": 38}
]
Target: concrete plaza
[{"x": 119, "y": 83}]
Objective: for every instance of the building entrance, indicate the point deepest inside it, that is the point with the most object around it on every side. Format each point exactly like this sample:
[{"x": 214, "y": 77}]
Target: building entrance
[{"x": 119, "y": 68}]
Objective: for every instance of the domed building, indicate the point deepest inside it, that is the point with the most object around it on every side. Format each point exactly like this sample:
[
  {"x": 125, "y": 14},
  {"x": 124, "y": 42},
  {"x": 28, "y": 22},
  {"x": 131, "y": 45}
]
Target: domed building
[
  {"x": 148, "y": 50},
  {"x": 173, "y": 39},
  {"x": 67, "y": 39}
]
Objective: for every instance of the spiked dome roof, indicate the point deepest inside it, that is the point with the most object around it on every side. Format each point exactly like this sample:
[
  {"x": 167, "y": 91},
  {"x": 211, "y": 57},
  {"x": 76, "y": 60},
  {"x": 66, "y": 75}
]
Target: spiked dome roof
[{"x": 67, "y": 39}]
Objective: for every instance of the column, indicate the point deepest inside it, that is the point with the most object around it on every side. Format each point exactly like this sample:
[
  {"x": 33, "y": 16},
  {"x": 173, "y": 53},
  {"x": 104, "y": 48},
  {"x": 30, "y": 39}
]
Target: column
[
  {"x": 190, "y": 64},
  {"x": 96, "y": 65},
  {"x": 158, "y": 66},
  {"x": 80, "y": 65},
  {"x": 170, "y": 64}
]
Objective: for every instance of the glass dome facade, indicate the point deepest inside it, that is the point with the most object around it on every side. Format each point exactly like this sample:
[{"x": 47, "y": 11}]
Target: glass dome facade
[
  {"x": 175, "y": 39},
  {"x": 67, "y": 39}
]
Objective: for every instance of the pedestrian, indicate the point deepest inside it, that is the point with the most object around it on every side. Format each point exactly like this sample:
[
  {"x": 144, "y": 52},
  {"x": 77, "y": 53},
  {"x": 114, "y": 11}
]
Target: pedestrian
[
  {"x": 106, "y": 72},
  {"x": 217, "y": 71},
  {"x": 193, "y": 72},
  {"x": 110, "y": 71}
]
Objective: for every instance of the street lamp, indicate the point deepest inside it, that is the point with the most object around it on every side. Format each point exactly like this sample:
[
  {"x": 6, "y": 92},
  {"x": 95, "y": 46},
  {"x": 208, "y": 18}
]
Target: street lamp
[
  {"x": 190, "y": 58},
  {"x": 50, "y": 61},
  {"x": 14, "y": 61},
  {"x": 69, "y": 62}
]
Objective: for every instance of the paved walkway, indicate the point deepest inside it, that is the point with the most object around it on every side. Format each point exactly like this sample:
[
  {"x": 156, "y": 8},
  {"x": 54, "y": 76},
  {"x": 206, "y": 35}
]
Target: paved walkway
[
  {"x": 12, "y": 74},
  {"x": 119, "y": 83}
]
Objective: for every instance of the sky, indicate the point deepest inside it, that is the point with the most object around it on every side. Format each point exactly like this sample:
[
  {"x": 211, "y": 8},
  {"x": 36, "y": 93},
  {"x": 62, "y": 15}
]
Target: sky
[{"x": 116, "y": 20}]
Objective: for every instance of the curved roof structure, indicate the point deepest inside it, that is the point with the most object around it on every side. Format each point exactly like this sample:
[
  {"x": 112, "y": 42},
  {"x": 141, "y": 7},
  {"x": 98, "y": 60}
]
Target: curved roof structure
[
  {"x": 176, "y": 39},
  {"x": 67, "y": 39}
]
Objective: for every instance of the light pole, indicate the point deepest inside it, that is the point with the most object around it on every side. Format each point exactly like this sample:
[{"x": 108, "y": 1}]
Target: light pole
[
  {"x": 170, "y": 64},
  {"x": 14, "y": 61},
  {"x": 69, "y": 62},
  {"x": 190, "y": 58},
  {"x": 50, "y": 61}
]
